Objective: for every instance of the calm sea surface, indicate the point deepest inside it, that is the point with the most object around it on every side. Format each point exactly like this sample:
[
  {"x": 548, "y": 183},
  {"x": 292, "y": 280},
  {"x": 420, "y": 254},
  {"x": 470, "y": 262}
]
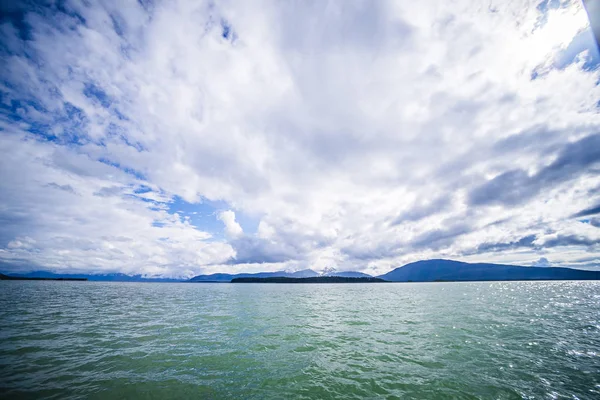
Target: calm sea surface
[{"x": 306, "y": 341}]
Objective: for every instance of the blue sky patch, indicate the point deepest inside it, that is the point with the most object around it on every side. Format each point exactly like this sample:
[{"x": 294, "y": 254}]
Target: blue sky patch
[
  {"x": 583, "y": 46},
  {"x": 127, "y": 170},
  {"x": 204, "y": 215},
  {"x": 227, "y": 31},
  {"x": 14, "y": 15},
  {"x": 95, "y": 93},
  {"x": 583, "y": 42}
]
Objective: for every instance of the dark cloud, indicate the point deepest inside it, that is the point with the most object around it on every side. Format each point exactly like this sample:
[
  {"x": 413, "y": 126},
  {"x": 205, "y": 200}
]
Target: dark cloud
[
  {"x": 439, "y": 238},
  {"x": 509, "y": 188},
  {"x": 589, "y": 262},
  {"x": 254, "y": 250},
  {"x": 66, "y": 188},
  {"x": 499, "y": 222},
  {"x": 536, "y": 140},
  {"x": 370, "y": 253},
  {"x": 588, "y": 211},
  {"x": 516, "y": 186},
  {"x": 423, "y": 210},
  {"x": 527, "y": 140},
  {"x": 526, "y": 241},
  {"x": 571, "y": 240},
  {"x": 109, "y": 191}
]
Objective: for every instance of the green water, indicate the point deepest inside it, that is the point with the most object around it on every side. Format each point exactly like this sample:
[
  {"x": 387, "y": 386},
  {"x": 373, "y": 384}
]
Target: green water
[{"x": 278, "y": 341}]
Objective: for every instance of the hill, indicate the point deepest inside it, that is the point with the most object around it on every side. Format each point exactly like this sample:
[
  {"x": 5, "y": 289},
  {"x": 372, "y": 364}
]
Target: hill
[
  {"x": 448, "y": 270},
  {"x": 21, "y": 278}
]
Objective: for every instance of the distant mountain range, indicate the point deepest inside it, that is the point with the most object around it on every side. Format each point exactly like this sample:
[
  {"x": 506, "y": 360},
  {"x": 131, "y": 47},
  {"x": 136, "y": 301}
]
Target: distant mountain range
[
  {"x": 116, "y": 277},
  {"x": 448, "y": 270},
  {"x": 219, "y": 277},
  {"x": 312, "y": 279},
  {"x": 420, "y": 271},
  {"x": 305, "y": 273}
]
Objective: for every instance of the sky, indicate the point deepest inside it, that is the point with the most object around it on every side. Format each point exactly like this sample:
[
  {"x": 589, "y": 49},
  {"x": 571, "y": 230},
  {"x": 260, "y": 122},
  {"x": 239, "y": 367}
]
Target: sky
[{"x": 175, "y": 138}]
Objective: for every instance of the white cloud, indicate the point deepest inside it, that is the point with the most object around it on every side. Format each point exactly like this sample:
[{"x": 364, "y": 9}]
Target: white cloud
[
  {"x": 542, "y": 262},
  {"x": 359, "y": 135},
  {"x": 103, "y": 225},
  {"x": 232, "y": 228}
]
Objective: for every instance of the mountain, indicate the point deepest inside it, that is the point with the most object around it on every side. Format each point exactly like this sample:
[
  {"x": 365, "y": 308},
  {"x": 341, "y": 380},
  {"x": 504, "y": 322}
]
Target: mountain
[
  {"x": 420, "y": 271},
  {"x": 448, "y": 270},
  {"x": 220, "y": 277},
  {"x": 350, "y": 274},
  {"x": 116, "y": 277},
  {"x": 305, "y": 273},
  {"x": 312, "y": 279},
  {"x": 328, "y": 271},
  {"x": 331, "y": 271}
]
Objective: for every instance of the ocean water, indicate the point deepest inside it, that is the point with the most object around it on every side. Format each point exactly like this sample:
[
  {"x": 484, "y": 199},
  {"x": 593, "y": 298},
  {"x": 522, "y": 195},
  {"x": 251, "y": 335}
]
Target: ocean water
[{"x": 500, "y": 340}]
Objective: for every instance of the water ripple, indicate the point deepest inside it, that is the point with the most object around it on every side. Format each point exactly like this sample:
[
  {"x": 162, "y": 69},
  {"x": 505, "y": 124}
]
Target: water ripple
[{"x": 500, "y": 340}]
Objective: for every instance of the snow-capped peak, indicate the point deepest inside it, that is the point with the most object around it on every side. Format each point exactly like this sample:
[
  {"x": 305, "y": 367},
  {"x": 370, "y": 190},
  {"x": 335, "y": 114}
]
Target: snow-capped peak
[{"x": 328, "y": 271}]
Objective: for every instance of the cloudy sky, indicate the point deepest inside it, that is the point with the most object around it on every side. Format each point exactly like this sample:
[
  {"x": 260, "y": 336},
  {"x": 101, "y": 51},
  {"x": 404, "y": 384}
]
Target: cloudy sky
[{"x": 173, "y": 138}]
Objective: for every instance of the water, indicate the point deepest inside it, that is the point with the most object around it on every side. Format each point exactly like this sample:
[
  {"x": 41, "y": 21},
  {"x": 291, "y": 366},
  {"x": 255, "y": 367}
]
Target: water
[{"x": 499, "y": 340}]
